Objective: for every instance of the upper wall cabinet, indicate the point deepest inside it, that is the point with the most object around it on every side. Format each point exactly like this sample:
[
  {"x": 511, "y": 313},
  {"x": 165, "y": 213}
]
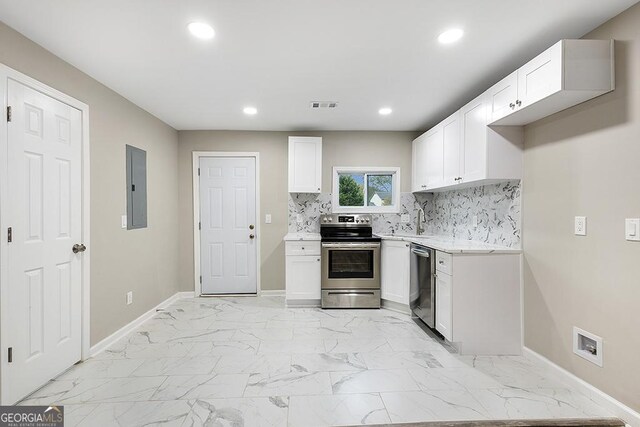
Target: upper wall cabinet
[
  {"x": 566, "y": 74},
  {"x": 305, "y": 164},
  {"x": 464, "y": 150},
  {"x": 482, "y": 142},
  {"x": 427, "y": 157}
]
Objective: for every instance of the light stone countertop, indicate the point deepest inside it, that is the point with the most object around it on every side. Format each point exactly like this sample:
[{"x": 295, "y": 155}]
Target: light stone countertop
[
  {"x": 290, "y": 237},
  {"x": 452, "y": 246}
]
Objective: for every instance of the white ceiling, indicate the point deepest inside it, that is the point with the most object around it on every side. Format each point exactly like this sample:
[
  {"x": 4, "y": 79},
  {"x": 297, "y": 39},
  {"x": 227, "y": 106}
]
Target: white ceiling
[{"x": 279, "y": 55}]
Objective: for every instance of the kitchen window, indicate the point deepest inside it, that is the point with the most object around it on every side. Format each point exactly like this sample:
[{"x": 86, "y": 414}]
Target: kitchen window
[{"x": 366, "y": 190}]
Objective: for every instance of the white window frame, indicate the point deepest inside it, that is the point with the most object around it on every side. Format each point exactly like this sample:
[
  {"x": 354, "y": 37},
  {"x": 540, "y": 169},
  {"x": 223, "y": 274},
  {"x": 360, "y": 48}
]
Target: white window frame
[{"x": 335, "y": 197}]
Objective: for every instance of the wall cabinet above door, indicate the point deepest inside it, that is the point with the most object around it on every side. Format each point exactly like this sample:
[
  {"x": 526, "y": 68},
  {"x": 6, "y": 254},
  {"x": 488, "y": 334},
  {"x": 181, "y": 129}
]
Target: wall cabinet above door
[{"x": 305, "y": 164}]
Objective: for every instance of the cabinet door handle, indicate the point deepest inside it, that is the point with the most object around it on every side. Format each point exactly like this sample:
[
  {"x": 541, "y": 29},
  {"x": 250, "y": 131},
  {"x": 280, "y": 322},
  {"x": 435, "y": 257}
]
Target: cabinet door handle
[
  {"x": 518, "y": 103},
  {"x": 512, "y": 105}
]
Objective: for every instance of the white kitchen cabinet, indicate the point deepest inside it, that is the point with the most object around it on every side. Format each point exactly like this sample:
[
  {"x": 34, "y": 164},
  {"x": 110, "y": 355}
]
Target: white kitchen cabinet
[
  {"x": 502, "y": 97},
  {"x": 305, "y": 164},
  {"x": 433, "y": 157},
  {"x": 566, "y": 74},
  {"x": 478, "y": 302},
  {"x": 452, "y": 141},
  {"x": 428, "y": 159},
  {"x": 395, "y": 272},
  {"x": 418, "y": 165},
  {"x": 443, "y": 305},
  {"x": 303, "y": 273},
  {"x": 490, "y": 134},
  {"x": 474, "y": 140}
]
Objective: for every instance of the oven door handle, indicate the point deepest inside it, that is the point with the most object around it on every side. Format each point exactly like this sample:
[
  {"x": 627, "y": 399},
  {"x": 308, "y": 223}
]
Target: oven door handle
[{"x": 348, "y": 246}]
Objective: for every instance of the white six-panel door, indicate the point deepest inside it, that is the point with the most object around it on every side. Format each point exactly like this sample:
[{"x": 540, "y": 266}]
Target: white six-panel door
[
  {"x": 228, "y": 240},
  {"x": 45, "y": 277}
]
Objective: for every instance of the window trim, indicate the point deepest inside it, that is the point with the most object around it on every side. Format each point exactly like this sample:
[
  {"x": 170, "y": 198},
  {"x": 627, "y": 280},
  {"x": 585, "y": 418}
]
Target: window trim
[{"x": 396, "y": 182}]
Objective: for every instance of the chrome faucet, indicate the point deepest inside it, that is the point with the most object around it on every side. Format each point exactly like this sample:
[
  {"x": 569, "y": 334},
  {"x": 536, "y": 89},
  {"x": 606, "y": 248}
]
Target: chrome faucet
[{"x": 419, "y": 220}]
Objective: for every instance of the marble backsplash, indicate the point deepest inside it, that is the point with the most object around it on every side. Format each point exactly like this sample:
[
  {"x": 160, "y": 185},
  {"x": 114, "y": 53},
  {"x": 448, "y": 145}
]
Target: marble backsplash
[
  {"x": 496, "y": 206},
  {"x": 311, "y": 206},
  {"x": 449, "y": 213}
]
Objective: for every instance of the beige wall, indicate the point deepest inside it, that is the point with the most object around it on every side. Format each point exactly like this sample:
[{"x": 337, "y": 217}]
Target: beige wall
[
  {"x": 143, "y": 261},
  {"x": 584, "y": 161},
  {"x": 338, "y": 149}
]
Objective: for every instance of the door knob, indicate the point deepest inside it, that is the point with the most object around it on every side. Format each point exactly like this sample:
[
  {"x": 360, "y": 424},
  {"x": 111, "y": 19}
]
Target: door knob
[
  {"x": 78, "y": 247},
  {"x": 251, "y": 227},
  {"x": 251, "y": 236}
]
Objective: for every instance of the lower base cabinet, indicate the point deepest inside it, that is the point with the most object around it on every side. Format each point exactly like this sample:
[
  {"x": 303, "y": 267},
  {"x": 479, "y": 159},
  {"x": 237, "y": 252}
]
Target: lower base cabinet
[
  {"x": 303, "y": 273},
  {"x": 395, "y": 272},
  {"x": 478, "y": 302},
  {"x": 443, "y": 305}
]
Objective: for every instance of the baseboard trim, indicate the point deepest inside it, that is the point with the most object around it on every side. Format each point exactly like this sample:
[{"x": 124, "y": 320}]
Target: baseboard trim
[
  {"x": 619, "y": 409},
  {"x": 275, "y": 293},
  {"x": 131, "y": 326},
  {"x": 395, "y": 306},
  {"x": 303, "y": 303}
]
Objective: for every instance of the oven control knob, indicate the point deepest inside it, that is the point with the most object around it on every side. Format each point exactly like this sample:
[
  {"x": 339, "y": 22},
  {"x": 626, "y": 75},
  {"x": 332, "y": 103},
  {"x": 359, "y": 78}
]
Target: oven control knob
[{"x": 367, "y": 220}]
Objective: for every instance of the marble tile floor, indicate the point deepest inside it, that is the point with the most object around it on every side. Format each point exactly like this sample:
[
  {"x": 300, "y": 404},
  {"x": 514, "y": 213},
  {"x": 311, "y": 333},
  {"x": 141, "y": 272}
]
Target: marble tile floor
[{"x": 250, "y": 361}]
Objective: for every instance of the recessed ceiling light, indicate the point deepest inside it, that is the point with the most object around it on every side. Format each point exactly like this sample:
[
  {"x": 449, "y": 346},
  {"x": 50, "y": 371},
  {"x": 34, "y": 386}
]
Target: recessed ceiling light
[
  {"x": 385, "y": 111},
  {"x": 250, "y": 111},
  {"x": 450, "y": 36},
  {"x": 201, "y": 30}
]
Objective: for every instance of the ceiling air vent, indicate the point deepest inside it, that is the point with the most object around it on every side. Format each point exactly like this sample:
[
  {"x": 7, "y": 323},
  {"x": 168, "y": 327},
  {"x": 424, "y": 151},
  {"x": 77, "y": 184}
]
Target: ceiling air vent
[{"x": 321, "y": 105}]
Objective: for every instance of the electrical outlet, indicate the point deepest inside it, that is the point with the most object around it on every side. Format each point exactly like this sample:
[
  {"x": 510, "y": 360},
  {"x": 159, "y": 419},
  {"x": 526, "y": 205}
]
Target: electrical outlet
[
  {"x": 474, "y": 221},
  {"x": 267, "y": 219},
  {"x": 580, "y": 226},
  {"x": 129, "y": 297},
  {"x": 406, "y": 218},
  {"x": 123, "y": 222}
]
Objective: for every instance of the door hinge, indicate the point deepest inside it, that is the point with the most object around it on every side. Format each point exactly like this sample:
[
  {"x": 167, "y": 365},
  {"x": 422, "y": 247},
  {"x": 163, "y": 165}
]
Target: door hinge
[
  {"x": 8, "y": 113},
  {"x": 10, "y": 354},
  {"x": 10, "y": 234},
  {"x": 198, "y": 171},
  {"x": 133, "y": 187},
  {"x": 199, "y": 226},
  {"x": 201, "y": 280}
]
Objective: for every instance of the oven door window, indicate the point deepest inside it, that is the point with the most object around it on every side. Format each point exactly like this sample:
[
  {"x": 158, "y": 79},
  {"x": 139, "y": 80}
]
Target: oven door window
[{"x": 351, "y": 264}]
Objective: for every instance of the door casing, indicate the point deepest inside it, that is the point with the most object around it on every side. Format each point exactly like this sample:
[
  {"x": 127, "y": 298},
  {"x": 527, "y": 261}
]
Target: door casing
[
  {"x": 196, "y": 215},
  {"x": 6, "y": 74}
]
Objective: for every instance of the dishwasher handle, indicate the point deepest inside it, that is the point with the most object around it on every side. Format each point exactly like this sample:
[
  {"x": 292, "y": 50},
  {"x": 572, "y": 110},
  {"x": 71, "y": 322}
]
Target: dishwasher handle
[{"x": 420, "y": 253}]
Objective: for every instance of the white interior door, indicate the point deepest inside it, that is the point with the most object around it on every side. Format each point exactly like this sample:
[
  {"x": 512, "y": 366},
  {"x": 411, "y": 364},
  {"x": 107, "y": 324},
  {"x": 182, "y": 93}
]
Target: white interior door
[
  {"x": 228, "y": 240},
  {"x": 44, "y": 212}
]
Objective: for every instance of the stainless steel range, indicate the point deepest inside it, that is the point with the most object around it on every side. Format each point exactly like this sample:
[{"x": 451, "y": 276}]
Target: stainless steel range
[{"x": 350, "y": 262}]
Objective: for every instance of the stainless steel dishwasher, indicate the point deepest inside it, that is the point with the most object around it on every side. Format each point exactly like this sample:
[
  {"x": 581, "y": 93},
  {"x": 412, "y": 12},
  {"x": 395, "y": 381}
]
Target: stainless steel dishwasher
[{"x": 423, "y": 285}]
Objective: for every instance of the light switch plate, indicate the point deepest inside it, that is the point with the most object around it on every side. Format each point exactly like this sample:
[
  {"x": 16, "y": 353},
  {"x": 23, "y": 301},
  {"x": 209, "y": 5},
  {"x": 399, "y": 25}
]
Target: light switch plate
[
  {"x": 581, "y": 226},
  {"x": 129, "y": 297},
  {"x": 406, "y": 218},
  {"x": 123, "y": 220},
  {"x": 267, "y": 219},
  {"x": 632, "y": 229}
]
